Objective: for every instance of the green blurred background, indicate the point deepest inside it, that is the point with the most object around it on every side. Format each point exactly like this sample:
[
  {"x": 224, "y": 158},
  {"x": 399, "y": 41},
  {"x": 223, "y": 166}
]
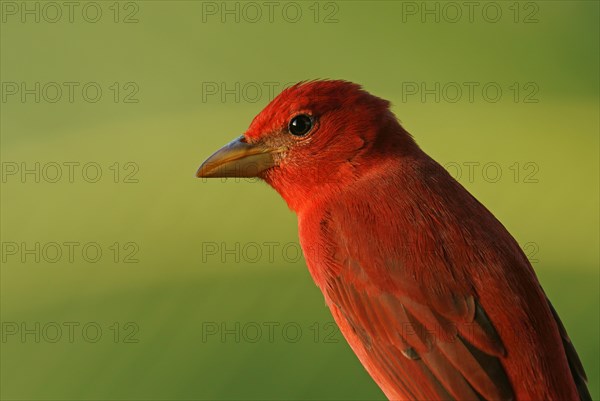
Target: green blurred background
[{"x": 181, "y": 322}]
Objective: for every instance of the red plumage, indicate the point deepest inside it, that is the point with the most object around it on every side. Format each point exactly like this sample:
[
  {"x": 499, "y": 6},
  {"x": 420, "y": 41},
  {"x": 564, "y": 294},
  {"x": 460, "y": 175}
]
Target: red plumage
[{"x": 432, "y": 293}]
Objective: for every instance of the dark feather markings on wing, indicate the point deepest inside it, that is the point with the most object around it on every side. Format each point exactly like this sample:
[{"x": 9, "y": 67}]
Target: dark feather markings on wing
[
  {"x": 575, "y": 364},
  {"x": 457, "y": 358}
]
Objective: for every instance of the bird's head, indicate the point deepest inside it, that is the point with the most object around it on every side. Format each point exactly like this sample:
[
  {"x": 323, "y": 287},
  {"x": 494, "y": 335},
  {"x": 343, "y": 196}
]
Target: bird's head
[{"x": 312, "y": 136}]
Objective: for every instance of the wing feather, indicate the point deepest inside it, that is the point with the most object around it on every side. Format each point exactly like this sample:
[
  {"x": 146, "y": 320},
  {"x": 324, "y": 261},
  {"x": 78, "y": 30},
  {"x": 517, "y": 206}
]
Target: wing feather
[
  {"x": 574, "y": 362},
  {"x": 421, "y": 348}
]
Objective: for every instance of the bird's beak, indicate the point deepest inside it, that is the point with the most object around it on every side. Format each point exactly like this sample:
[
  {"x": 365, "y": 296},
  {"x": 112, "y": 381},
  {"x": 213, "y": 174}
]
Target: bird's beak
[{"x": 238, "y": 159}]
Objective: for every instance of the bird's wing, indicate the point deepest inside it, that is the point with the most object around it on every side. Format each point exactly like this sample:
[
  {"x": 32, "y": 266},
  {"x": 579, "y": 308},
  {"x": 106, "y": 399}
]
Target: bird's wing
[
  {"x": 444, "y": 351},
  {"x": 424, "y": 343}
]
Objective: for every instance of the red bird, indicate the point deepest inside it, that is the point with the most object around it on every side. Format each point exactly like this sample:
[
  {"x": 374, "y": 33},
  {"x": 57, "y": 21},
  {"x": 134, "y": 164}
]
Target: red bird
[{"x": 430, "y": 290}]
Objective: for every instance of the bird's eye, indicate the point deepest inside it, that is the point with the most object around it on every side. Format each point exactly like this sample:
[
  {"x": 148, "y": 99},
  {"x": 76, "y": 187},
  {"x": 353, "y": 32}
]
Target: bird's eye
[{"x": 300, "y": 125}]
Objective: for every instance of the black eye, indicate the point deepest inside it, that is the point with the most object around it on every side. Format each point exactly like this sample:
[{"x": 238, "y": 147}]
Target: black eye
[{"x": 300, "y": 125}]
